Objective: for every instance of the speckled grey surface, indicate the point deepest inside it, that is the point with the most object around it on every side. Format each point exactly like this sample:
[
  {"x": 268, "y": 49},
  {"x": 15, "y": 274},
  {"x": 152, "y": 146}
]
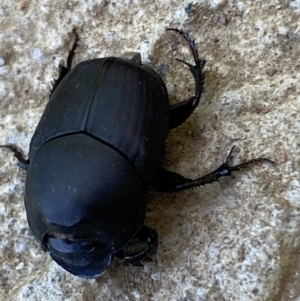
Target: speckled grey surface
[{"x": 236, "y": 240}]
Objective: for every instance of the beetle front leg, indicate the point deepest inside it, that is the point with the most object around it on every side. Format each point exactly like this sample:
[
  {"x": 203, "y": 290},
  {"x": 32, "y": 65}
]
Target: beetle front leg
[
  {"x": 145, "y": 236},
  {"x": 63, "y": 71},
  {"x": 179, "y": 112},
  {"x": 168, "y": 181}
]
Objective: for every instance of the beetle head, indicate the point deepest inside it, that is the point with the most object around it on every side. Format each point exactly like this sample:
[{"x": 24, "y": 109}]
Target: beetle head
[{"x": 80, "y": 258}]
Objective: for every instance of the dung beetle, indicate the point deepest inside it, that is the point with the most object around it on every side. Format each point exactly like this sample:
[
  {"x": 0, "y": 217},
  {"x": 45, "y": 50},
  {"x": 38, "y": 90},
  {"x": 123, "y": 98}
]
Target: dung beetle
[{"x": 97, "y": 149}]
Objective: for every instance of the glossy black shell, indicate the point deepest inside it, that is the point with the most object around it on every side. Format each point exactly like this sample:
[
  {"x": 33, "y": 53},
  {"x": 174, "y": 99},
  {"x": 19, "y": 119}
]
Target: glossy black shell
[
  {"x": 120, "y": 110},
  {"x": 125, "y": 105}
]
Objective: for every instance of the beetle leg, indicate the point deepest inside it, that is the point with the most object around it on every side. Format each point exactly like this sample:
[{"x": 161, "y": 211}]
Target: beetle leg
[
  {"x": 136, "y": 59},
  {"x": 168, "y": 181},
  {"x": 146, "y": 236},
  {"x": 179, "y": 112},
  {"x": 63, "y": 71},
  {"x": 22, "y": 162}
]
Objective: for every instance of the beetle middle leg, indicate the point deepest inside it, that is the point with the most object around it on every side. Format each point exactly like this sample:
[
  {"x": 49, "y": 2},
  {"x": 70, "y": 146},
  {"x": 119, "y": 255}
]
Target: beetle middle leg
[
  {"x": 179, "y": 112},
  {"x": 168, "y": 181},
  {"x": 63, "y": 71}
]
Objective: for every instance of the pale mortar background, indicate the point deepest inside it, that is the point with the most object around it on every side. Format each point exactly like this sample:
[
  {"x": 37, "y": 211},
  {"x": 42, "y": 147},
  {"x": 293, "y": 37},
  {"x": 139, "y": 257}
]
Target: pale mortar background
[{"x": 236, "y": 240}]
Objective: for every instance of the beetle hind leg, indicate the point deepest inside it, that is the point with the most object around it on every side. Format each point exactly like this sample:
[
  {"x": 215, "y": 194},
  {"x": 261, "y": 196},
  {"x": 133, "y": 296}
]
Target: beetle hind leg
[
  {"x": 168, "y": 181},
  {"x": 22, "y": 162},
  {"x": 63, "y": 71},
  {"x": 179, "y": 112},
  {"x": 145, "y": 236}
]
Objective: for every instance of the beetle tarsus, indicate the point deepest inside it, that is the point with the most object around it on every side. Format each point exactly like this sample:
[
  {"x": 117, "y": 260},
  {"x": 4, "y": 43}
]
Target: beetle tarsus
[
  {"x": 167, "y": 181},
  {"x": 189, "y": 40},
  {"x": 72, "y": 51},
  {"x": 240, "y": 166},
  {"x": 179, "y": 112}
]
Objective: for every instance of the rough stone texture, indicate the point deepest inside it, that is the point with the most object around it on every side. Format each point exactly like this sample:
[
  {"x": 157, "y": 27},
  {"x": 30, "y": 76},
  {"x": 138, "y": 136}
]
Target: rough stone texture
[{"x": 236, "y": 240}]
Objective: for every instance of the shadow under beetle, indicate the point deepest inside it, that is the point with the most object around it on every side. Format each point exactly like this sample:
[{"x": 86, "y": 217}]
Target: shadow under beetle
[{"x": 97, "y": 148}]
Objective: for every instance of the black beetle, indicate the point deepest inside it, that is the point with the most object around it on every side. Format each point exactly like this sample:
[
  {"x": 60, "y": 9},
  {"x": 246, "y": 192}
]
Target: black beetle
[{"x": 97, "y": 148}]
